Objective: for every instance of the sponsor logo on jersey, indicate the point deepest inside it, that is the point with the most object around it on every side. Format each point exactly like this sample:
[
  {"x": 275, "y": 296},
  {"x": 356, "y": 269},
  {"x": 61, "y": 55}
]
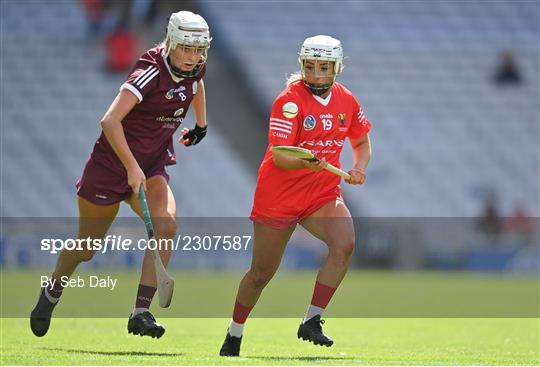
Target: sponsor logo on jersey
[
  {"x": 169, "y": 119},
  {"x": 178, "y": 112},
  {"x": 280, "y": 135},
  {"x": 170, "y": 93},
  {"x": 322, "y": 143},
  {"x": 309, "y": 123},
  {"x": 290, "y": 110},
  {"x": 326, "y": 116},
  {"x": 194, "y": 87}
]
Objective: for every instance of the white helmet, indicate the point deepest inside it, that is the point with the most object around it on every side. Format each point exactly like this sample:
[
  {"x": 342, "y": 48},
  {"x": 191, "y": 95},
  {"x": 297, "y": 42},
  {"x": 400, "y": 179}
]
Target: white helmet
[
  {"x": 189, "y": 29},
  {"x": 321, "y": 48}
]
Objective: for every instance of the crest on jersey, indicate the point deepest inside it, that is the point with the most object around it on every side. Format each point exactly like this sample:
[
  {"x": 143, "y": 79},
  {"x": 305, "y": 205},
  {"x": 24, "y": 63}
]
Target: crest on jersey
[
  {"x": 170, "y": 94},
  {"x": 178, "y": 112},
  {"x": 309, "y": 123},
  {"x": 290, "y": 110},
  {"x": 341, "y": 117}
]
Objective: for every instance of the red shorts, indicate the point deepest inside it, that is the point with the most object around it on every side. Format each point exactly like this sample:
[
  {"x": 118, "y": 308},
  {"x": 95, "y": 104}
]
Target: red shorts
[
  {"x": 103, "y": 186},
  {"x": 284, "y": 221}
]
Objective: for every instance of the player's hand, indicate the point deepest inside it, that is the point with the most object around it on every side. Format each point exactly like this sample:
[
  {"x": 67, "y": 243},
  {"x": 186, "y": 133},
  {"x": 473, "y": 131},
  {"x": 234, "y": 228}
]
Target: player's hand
[
  {"x": 315, "y": 166},
  {"x": 193, "y": 136},
  {"x": 358, "y": 176},
  {"x": 136, "y": 178}
]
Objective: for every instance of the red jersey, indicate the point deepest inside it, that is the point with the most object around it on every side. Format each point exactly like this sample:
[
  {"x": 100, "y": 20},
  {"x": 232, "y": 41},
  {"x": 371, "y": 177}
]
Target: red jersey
[
  {"x": 149, "y": 127},
  {"x": 302, "y": 119}
]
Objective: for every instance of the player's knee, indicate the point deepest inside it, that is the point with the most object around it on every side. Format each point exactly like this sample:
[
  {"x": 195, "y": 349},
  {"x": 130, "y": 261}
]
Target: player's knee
[
  {"x": 165, "y": 227},
  {"x": 84, "y": 256},
  {"x": 342, "y": 251},
  {"x": 260, "y": 278},
  {"x": 348, "y": 248}
]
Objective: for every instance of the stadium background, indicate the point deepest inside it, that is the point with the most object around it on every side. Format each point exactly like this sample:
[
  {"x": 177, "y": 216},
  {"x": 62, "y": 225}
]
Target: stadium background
[
  {"x": 447, "y": 222},
  {"x": 448, "y": 138}
]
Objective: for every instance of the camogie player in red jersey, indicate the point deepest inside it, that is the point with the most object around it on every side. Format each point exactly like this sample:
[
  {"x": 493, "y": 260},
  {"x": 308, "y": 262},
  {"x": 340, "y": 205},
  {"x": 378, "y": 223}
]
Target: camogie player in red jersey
[
  {"x": 133, "y": 150},
  {"x": 317, "y": 113}
]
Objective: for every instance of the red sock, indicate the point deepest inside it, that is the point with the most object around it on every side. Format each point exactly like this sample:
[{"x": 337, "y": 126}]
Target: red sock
[
  {"x": 322, "y": 294},
  {"x": 241, "y": 312}
]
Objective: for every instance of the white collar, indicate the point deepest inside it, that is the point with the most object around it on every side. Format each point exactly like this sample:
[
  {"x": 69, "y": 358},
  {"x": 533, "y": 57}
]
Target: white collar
[
  {"x": 174, "y": 77},
  {"x": 323, "y": 101}
]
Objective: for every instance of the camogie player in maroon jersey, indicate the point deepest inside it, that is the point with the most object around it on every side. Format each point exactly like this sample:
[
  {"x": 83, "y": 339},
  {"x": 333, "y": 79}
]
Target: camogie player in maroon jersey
[{"x": 133, "y": 150}]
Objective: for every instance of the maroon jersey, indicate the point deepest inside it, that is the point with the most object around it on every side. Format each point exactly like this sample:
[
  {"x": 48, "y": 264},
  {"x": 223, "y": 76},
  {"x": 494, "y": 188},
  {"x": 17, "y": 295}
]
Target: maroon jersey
[{"x": 164, "y": 100}]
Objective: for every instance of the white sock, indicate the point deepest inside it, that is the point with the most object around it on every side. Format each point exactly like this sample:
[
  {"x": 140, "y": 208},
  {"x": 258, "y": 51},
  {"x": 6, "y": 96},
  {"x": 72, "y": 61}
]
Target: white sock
[
  {"x": 312, "y": 311},
  {"x": 138, "y": 310},
  {"x": 236, "y": 329},
  {"x": 49, "y": 297}
]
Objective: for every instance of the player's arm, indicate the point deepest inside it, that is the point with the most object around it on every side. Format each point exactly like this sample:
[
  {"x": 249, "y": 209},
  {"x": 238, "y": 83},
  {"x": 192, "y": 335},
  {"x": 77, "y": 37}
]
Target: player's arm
[
  {"x": 195, "y": 135},
  {"x": 361, "y": 150},
  {"x": 283, "y": 130},
  {"x": 111, "y": 124},
  {"x": 199, "y": 104}
]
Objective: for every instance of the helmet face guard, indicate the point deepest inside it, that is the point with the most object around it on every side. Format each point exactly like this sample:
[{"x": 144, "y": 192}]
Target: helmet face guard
[
  {"x": 189, "y": 31},
  {"x": 320, "y": 49},
  {"x": 318, "y": 69},
  {"x": 201, "y": 51}
]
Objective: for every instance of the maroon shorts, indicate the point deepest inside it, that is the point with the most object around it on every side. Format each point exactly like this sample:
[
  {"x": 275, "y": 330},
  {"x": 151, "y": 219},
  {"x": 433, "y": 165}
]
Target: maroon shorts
[{"x": 103, "y": 186}]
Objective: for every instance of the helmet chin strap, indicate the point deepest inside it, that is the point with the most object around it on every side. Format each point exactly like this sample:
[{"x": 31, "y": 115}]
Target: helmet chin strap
[
  {"x": 180, "y": 73},
  {"x": 318, "y": 90},
  {"x": 176, "y": 71}
]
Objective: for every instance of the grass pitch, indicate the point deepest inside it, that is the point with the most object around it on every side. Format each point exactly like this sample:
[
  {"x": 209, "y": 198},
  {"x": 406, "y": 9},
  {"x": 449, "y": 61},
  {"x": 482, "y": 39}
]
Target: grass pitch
[
  {"x": 273, "y": 342},
  {"x": 93, "y": 326}
]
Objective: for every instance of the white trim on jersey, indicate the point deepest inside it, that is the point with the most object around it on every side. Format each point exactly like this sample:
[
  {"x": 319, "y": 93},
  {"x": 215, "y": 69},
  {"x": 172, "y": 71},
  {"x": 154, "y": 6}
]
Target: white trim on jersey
[
  {"x": 361, "y": 116},
  {"x": 149, "y": 74},
  {"x": 280, "y": 129},
  {"x": 150, "y": 78},
  {"x": 323, "y": 101},
  {"x": 280, "y": 120},
  {"x": 283, "y": 126},
  {"x": 133, "y": 90},
  {"x": 145, "y": 74},
  {"x": 142, "y": 74}
]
